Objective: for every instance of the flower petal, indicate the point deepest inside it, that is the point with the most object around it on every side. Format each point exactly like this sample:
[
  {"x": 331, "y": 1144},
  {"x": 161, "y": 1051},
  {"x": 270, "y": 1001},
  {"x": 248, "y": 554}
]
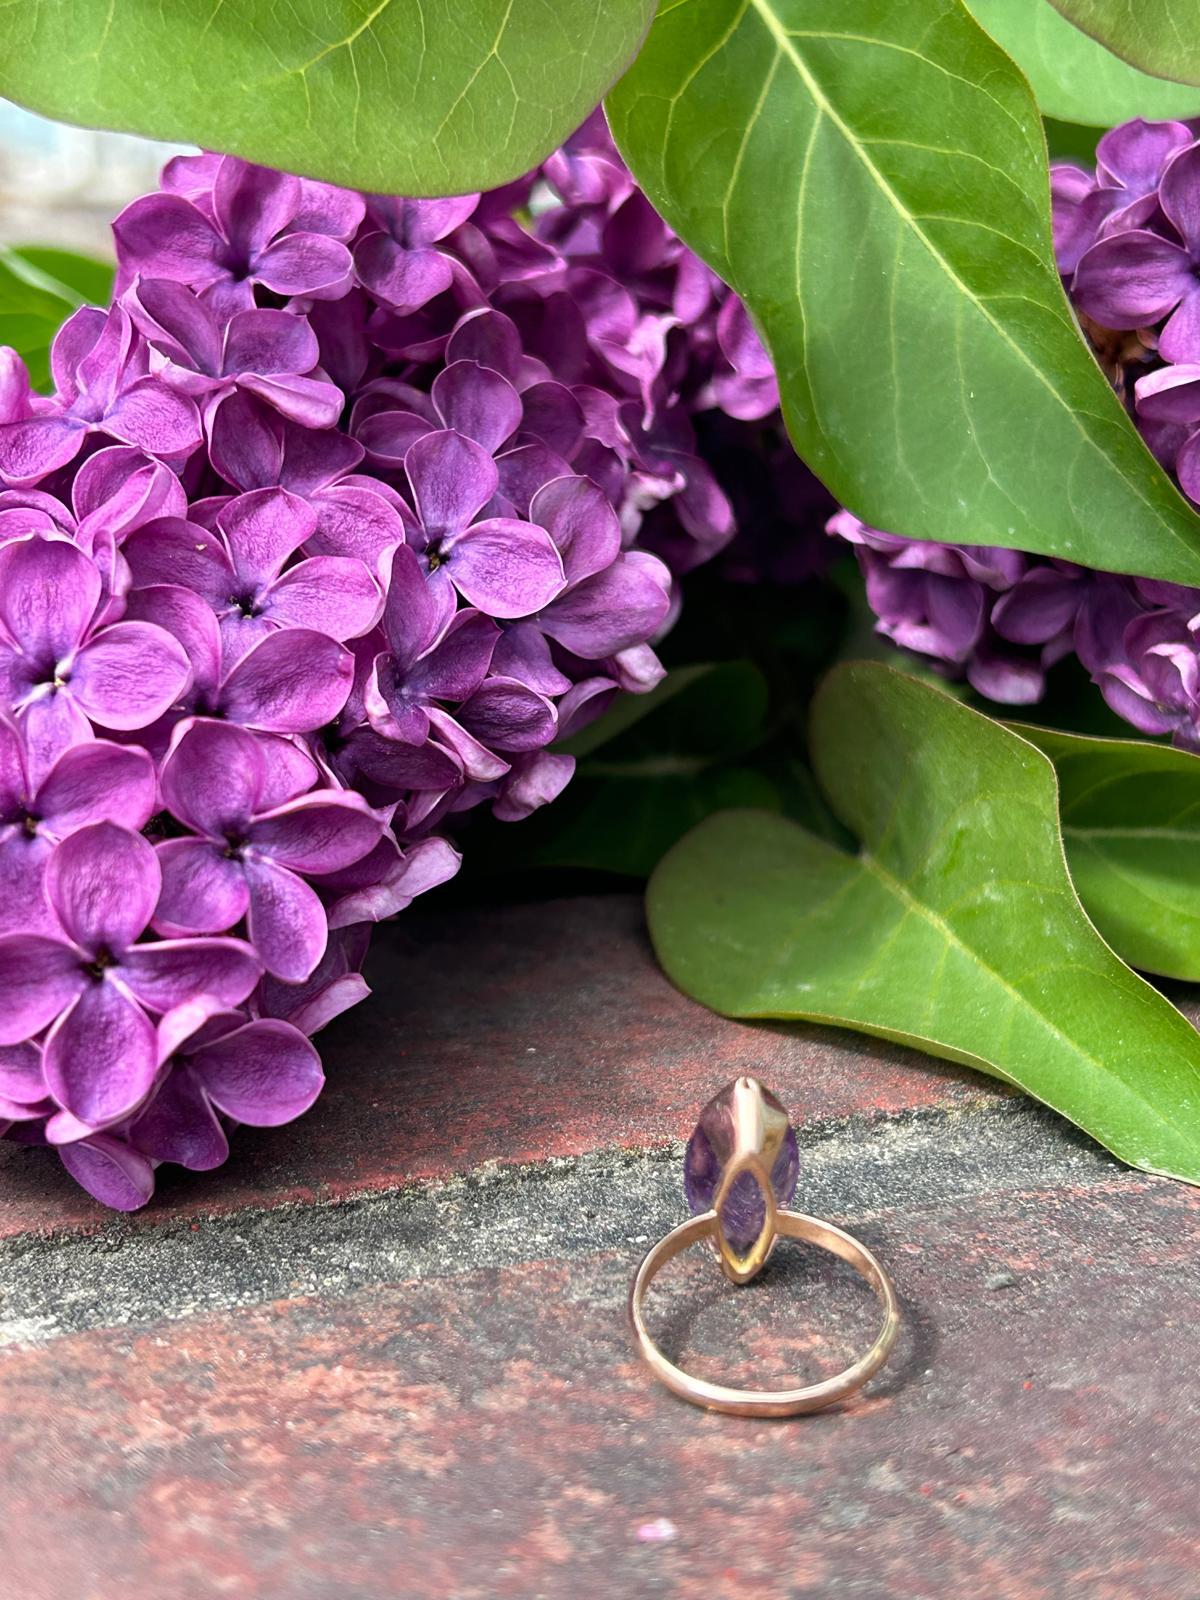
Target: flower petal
[
  {"x": 292, "y": 681},
  {"x": 477, "y": 402},
  {"x": 264, "y": 1075},
  {"x": 334, "y": 594},
  {"x": 452, "y": 479},
  {"x": 166, "y": 974},
  {"x": 263, "y": 528},
  {"x": 110, "y": 1171},
  {"x": 51, "y": 724},
  {"x": 356, "y": 522},
  {"x": 269, "y": 341},
  {"x": 49, "y": 592},
  {"x": 316, "y": 833},
  {"x": 38, "y": 977},
  {"x": 172, "y": 550},
  {"x": 213, "y": 777},
  {"x": 304, "y": 263},
  {"x": 32, "y": 447},
  {"x": 103, "y": 883},
  {"x": 165, "y": 236},
  {"x": 1131, "y": 279},
  {"x": 97, "y": 782},
  {"x": 403, "y": 279},
  {"x": 203, "y": 891},
  {"x": 506, "y": 715},
  {"x": 100, "y": 1058},
  {"x": 505, "y": 567},
  {"x": 534, "y": 781},
  {"x": 619, "y": 607},
  {"x": 155, "y": 417},
  {"x": 129, "y": 675},
  {"x": 180, "y": 1125},
  {"x": 246, "y": 442},
  {"x": 580, "y": 519},
  {"x": 286, "y": 921}
]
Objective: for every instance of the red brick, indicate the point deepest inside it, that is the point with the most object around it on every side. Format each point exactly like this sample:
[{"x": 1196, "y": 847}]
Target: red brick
[{"x": 491, "y": 1437}]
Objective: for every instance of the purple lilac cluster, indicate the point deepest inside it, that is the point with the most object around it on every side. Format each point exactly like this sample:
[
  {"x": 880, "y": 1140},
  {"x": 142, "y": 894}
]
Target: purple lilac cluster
[
  {"x": 1127, "y": 240},
  {"x": 343, "y": 512}
]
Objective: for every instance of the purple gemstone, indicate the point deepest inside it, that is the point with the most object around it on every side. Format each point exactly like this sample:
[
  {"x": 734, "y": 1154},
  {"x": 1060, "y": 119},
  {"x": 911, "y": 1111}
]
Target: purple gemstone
[{"x": 712, "y": 1146}]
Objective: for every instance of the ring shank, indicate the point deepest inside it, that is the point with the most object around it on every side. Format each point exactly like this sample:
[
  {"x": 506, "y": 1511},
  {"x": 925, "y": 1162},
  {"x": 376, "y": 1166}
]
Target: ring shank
[{"x": 766, "y": 1402}]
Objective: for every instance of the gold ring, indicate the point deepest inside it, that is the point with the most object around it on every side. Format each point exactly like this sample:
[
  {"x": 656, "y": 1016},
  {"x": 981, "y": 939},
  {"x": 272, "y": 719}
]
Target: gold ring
[{"x": 740, "y": 1171}]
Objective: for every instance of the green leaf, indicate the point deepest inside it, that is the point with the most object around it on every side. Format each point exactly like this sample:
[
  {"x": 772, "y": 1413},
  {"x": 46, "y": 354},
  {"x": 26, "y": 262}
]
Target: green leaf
[
  {"x": 1066, "y": 141},
  {"x": 956, "y": 928},
  {"x": 38, "y": 290},
  {"x": 627, "y": 824},
  {"x": 1160, "y": 36},
  {"x": 82, "y": 279},
  {"x": 871, "y": 177},
  {"x": 648, "y": 771},
  {"x": 1074, "y": 77},
  {"x": 1131, "y": 822},
  {"x": 415, "y": 97}
]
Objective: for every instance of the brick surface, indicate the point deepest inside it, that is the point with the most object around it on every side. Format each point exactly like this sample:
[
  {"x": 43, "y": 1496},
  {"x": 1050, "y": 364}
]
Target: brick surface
[
  {"x": 488, "y": 1435},
  {"x": 389, "y": 1356},
  {"x": 508, "y": 1035}
]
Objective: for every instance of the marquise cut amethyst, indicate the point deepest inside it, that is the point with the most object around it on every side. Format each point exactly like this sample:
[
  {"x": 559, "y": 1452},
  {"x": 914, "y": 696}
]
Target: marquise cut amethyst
[{"x": 712, "y": 1146}]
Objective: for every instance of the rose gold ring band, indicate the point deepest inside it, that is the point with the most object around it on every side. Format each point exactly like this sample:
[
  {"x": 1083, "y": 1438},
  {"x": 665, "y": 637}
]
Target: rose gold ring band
[{"x": 766, "y": 1402}]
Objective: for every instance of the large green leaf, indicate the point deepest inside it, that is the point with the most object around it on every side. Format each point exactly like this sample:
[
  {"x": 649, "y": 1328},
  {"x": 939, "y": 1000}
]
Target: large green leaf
[
  {"x": 39, "y": 288},
  {"x": 414, "y": 96},
  {"x": 1131, "y": 821},
  {"x": 956, "y": 928},
  {"x": 871, "y": 177},
  {"x": 1160, "y": 36},
  {"x": 1074, "y": 77}
]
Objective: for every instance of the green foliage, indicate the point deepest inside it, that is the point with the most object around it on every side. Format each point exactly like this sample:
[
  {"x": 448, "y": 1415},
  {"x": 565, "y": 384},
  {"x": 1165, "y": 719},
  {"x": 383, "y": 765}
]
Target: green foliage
[
  {"x": 38, "y": 289},
  {"x": 1073, "y": 77},
  {"x": 955, "y": 927},
  {"x": 413, "y": 96},
  {"x": 1131, "y": 823},
  {"x": 650, "y": 770},
  {"x": 1160, "y": 36},
  {"x": 872, "y": 179}
]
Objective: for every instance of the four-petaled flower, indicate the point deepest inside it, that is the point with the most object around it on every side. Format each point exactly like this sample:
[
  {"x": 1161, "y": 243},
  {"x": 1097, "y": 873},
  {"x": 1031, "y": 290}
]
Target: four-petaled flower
[
  {"x": 253, "y": 838},
  {"x": 93, "y": 985}
]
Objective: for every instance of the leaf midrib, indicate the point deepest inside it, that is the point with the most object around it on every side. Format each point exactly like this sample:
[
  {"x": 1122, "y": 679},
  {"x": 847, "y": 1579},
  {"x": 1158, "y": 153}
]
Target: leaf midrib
[
  {"x": 911, "y": 903},
  {"x": 784, "y": 45},
  {"x": 1168, "y": 835}
]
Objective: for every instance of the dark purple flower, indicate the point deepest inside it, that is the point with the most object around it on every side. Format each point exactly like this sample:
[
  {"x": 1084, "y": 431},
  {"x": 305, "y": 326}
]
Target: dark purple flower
[
  {"x": 252, "y": 848},
  {"x": 356, "y": 516},
  {"x": 1157, "y": 686},
  {"x": 57, "y": 671},
  {"x": 245, "y": 231},
  {"x": 293, "y": 680},
  {"x": 103, "y": 386},
  {"x": 268, "y": 353},
  {"x": 1137, "y": 277},
  {"x": 504, "y": 566},
  {"x": 90, "y": 782},
  {"x": 399, "y": 262},
  {"x": 94, "y": 984},
  {"x": 262, "y": 1073},
  {"x": 244, "y": 569}
]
